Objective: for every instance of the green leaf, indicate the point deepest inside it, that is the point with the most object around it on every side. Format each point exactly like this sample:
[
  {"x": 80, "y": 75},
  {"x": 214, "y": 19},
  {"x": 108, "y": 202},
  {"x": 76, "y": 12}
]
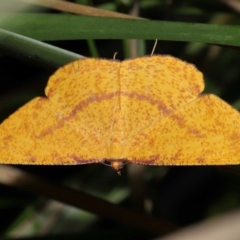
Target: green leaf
[
  {"x": 33, "y": 50},
  {"x": 69, "y": 27}
]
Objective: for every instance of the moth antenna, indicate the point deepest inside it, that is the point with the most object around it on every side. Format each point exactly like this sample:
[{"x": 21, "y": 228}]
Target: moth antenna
[
  {"x": 154, "y": 47},
  {"x": 114, "y": 55}
]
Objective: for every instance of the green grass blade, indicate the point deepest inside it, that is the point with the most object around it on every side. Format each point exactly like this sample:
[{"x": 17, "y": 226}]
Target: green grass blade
[
  {"x": 69, "y": 27},
  {"x": 36, "y": 51}
]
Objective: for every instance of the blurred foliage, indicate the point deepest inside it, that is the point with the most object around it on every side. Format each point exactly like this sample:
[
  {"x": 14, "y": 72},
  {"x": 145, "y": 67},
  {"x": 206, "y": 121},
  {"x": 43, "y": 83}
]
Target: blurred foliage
[{"x": 180, "y": 195}]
